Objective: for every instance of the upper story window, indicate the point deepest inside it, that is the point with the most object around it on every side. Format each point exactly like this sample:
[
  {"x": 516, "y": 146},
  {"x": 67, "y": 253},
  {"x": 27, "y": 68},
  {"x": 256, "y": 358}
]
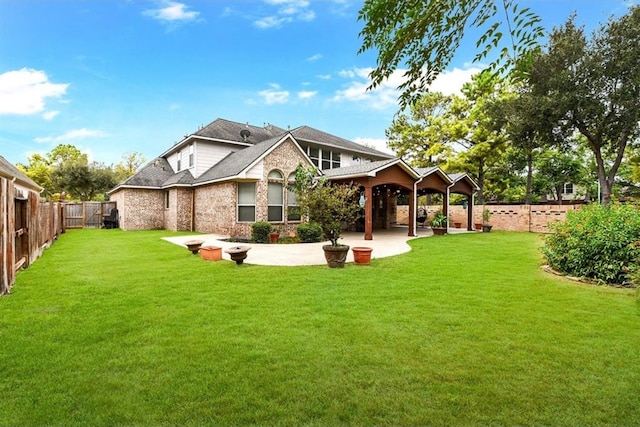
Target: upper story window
[
  {"x": 190, "y": 155},
  {"x": 568, "y": 188},
  {"x": 324, "y": 158},
  {"x": 179, "y": 164}
]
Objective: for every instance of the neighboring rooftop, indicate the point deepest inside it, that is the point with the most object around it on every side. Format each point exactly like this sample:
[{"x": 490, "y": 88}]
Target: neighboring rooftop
[{"x": 8, "y": 170}]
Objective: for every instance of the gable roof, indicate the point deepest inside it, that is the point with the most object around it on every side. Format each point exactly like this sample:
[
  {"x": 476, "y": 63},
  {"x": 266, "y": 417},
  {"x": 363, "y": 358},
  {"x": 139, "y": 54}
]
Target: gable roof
[
  {"x": 9, "y": 171},
  {"x": 227, "y": 130},
  {"x": 424, "y": 172},
  {"x": 153, "y": 175},
  {"x": 237, "y": 163},
  {"x": 309, "y": 134},
  {"x": 368, "y": 169}
]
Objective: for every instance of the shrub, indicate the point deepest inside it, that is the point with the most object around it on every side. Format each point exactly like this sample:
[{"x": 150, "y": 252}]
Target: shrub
[
  {"x": 260, "y": 231},
  {"x": 309, "y": 232},
  {"x": 597, "y": 242}
]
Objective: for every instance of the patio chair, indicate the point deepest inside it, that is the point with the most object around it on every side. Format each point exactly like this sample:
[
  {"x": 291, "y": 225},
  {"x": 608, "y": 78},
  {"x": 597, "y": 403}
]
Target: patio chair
[
  {"x": 422, "y": 216},
  {"x": 112, "y": 220}
]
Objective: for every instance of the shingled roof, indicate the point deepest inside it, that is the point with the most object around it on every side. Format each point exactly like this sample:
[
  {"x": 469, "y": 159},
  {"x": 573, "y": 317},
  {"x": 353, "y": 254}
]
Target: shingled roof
[
  {"x": 227, "y": 130},
  {"x": 309, "y": 134},
  {"x": 154, "y": 175},
  {"x": 236, "y": 163},
  {"x": 8, "y": 170}
]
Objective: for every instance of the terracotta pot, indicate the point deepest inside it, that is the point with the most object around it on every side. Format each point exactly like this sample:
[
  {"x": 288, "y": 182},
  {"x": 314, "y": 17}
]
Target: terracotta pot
[
  {"x": 478, "y": 225},
  {"x": 362, "y": 255},
  {"x": 335, "y": 255},
  {"x": 211, "y": 253},
  {"x": 457, "y": 224},
  {"x": 439, "y": 231},
  {"x": 273, "y": 237}
]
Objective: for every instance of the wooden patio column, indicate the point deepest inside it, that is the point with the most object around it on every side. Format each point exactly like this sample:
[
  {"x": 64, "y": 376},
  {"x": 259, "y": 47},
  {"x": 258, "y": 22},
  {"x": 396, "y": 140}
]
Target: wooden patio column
[
  {"x": 412, "y": 213},
  {"x": 368, "y": 212},
  {"x": 470, "y": 226}
]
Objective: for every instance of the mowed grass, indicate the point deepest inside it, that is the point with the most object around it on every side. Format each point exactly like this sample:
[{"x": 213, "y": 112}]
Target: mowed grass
[{"x": 123, "y": 328}]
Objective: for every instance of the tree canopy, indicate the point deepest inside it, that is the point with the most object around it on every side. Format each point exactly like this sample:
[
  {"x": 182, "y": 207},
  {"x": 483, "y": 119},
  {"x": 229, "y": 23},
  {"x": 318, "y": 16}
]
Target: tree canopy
[{"x": 423, "y": 36}]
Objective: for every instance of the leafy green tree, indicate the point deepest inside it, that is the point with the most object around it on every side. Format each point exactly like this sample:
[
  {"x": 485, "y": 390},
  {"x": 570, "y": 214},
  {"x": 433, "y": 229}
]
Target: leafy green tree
[
  {"x": 594, "y": 87},
  {"x": 424, "y": 36},
  {"x": 129, "y": 165},
  {"x": 471, "y": 126},
  {"x": 419, "y": 135},
  {"x": 39, "y": 169},
  {"x": 555, "y": 168}
]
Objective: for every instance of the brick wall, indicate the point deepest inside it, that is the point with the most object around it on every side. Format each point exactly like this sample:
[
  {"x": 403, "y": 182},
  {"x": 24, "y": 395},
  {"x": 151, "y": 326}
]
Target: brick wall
[
  {"x": 178, "y": 216},
  {"x": 140, "y": 209},
  {"x": 215, "y": 211},
  {"x": 534, "y": 218}
]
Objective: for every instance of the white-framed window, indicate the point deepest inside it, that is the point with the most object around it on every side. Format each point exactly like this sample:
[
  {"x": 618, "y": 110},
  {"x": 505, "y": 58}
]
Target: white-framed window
[
  {"x": 293, "y": 210},
  {"x": 275, "y": 197},
  {"x": 246, "y": 202},
  {"x": 179, "y": 163},
  {"x": 190, "y": 155},
  {"x": 568, "y": 188},
  {"x": 323, "y": 158}
]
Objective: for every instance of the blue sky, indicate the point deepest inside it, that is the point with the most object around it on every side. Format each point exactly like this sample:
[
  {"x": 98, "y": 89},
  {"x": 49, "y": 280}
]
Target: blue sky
[{"x": 112, "y": 77}]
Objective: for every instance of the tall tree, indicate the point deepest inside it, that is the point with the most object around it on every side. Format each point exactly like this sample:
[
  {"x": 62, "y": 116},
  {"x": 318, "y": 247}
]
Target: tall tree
[
  {"x": 129, "y": 164},
  {"x": 471, "y": 125},
  {"x": 594, "y": 86},
  {"x": 424, "y": 36},
  {"x": 418, "y": 136},
  {"x": 554, "y": 169}
]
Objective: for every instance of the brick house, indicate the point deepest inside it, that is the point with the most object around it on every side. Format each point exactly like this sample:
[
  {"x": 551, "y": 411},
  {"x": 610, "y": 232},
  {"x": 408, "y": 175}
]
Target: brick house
[{"x": 227, "y": 175}]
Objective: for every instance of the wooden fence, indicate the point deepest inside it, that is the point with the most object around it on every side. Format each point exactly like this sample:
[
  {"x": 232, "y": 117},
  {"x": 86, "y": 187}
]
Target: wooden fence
[
  {"x": 87, "y": 214},
  {"x": 28, "y": 225}
]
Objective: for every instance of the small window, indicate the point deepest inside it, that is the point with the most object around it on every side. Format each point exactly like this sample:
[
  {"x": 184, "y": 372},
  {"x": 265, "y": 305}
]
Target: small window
[
  {"x": 191, "y": 155},
  {"x": 335, "y": 159},
  {"x": 178, "y": 167},
  {"x": 166, "y": 200},
  {"x": 246, "y": 202},
  {"x": 568, "y": 188},
  {"x": 314, "y": 155}
]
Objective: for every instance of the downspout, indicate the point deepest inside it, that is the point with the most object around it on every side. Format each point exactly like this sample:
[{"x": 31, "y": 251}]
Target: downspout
[{"x": 448, "y": 205}]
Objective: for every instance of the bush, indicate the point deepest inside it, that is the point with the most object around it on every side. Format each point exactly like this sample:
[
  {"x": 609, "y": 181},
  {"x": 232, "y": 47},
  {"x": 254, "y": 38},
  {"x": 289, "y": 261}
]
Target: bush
[
  {"x": 260, "y": 231},
  {"x": 309, "y": 232},
  {"x": 597, "y": 242}
]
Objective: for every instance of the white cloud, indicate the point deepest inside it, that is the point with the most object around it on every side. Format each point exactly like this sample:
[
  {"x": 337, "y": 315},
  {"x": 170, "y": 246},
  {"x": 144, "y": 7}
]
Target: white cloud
[
  {"x": 288, "y": 11},
  {"x": 172, "y": 12},
  {"x": 324, "y": 76},
  {"x": 25, "y": 91},
  {"x": 275, "y": 95},
  {"x": 314, "y": 58},
  {"x": 307, "y": 94},
  {"x": 386, "y": 94},
  {"x": 49, "y": 115},
  {"x": 76, "y": 134}
]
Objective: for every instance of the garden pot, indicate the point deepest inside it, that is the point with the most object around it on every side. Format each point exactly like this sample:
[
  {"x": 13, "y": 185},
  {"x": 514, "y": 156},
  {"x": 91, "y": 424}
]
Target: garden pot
[
  {"x": 486, "y": 228},
  {"x": 194, "y": 245},
  {"x": 273, "y": 237},
  {"x": 211, "y": 253},
  {"x": 238, "y": 253},
  {"x": 335, "y": 255},
  {"x": 457, "y": 224},
  {"x": 478, "y": 226},
  {"x": 439, "y": 231},
  {"x": 362, "y": 255}
]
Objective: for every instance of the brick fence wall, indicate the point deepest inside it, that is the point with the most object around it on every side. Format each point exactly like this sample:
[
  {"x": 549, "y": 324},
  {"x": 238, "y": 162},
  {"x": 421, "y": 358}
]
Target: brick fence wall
[{"x": 533, "y": 218}]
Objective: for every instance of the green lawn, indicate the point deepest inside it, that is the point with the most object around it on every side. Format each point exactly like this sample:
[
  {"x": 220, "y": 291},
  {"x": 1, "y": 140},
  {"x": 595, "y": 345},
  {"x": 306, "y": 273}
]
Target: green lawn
[{"x": 114, "y": 328}]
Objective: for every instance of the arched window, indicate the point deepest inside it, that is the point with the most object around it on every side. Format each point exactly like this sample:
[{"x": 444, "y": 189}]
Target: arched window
[
  {"x": 293, "y": 210},
  {"x": 275, "y": 197}
]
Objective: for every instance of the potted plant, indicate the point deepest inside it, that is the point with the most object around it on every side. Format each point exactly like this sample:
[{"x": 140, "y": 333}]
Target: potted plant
[
  {"x": 486, "y": 216},
  {"x": 331, "y": 206},
  {"x": 274, "y": 234},
  {"x": 439, "y": 223}
]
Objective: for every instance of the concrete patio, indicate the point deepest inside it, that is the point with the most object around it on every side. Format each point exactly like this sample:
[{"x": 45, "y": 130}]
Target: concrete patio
[{"x": 385, "y": 243}]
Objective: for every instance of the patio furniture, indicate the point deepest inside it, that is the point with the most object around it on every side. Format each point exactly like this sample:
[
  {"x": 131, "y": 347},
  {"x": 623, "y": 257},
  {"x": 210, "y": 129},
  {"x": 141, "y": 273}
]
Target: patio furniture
[
  {"x": 422, "y": 216},
  {"x": 112, "y": 220}
]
